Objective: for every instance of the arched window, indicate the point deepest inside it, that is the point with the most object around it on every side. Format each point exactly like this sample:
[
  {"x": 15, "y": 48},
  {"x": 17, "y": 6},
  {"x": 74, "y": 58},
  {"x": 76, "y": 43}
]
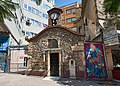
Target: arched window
[
  {"x": 72, "y": 63},
  {"x": 52, "y": 43}
]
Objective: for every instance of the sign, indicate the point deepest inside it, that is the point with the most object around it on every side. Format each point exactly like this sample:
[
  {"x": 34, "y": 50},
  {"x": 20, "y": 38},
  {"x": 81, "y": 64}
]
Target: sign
[{"x": 110, "y": 36}]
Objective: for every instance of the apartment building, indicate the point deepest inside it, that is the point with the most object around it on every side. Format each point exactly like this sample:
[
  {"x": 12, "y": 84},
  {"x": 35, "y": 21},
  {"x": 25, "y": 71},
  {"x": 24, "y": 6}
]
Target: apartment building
[
  {"x": 71, "y": 13},
  {"x": 30, "y": 20},
  {"x": 34, "y": 17}
]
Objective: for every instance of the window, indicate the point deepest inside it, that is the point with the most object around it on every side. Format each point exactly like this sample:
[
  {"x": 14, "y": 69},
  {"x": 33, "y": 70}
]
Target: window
[
  {"x": 70, "y": 10},
  {"x": 73, "y": 29},
  {"x": 24, "y": 18},
  {"x": 44, "y": 25},
  {"x": 40, "y": 14},
  {"x": 51, "y": 1},
  {"x": 25, "y": 6},
  {"x": 39, "y": 24},
  {"x": 35, "y": 23},
  {"x": 33, "y": 0},
  {"x": 29, "y": 8},
  {"x": 25, "y": 61},
  {"x": 23, "y": 32},
  {"x": 29, "y": 33},
  {"x": 33, "y": 10},
  {"x": 80, "y": 29},
  {"x": 116, "y": 58},
  {"x": 71, "y": 20},
  {"x": 48, "y": 0},
  {"x": 36, "y": 1},
  {"x": 30, "y": 21},
  {"x": 68, "y": 20},
  {"x": 86, "y": 23},
  {"x": 63, "y": 21},
  {"x": 17, "y": 22},
  {"x": 45, "y": 16},
  {"x": 46, "y": 7},
  {"x": 37, "y": 12},
  {"x": 41, "y": 4},
  {"x": 52, "y": 43},
  {"x": 72, "y": 62}
]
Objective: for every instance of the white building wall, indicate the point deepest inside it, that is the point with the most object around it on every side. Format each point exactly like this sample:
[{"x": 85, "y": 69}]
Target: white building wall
[
  {"x": 14, "y": 29},
  {"x": 35, "y": 16},
  {"x": 14, "y": 26},
  {"x": 17, "y": 61},
  {"x": 19, "y": 25}
]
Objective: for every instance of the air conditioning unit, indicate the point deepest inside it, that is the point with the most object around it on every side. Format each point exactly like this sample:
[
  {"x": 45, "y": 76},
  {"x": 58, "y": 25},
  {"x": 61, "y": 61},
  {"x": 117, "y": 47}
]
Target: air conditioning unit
[{"x": 28, "y": 23}]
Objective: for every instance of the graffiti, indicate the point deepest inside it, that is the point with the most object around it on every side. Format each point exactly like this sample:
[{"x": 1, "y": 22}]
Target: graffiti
[
  {"x": 4, "y": 41},
  {"x": 95, "y": 62},
  {"x": 3, "y": 61}
]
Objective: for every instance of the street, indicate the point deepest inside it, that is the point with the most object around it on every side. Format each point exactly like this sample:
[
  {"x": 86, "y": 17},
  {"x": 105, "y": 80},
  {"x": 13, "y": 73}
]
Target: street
[{"x": 23, "y": 80}]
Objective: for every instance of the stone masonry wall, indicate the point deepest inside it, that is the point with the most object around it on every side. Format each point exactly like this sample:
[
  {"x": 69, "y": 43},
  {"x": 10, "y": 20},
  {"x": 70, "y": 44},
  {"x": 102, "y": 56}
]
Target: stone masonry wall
[{"x": 65, "y": 40}]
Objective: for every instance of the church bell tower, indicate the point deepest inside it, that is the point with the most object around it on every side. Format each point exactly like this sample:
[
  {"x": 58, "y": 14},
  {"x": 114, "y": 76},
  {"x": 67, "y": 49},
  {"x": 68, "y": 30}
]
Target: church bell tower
[{"x": 54, "y": 15}]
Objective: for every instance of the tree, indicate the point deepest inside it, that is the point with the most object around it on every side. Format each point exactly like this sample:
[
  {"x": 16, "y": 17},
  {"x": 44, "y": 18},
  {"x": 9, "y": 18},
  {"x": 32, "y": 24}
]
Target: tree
[
  {"x": 111, "y": 6},
  {"x": 38, "y": 2},
  {"x": 6, "y": 8}
]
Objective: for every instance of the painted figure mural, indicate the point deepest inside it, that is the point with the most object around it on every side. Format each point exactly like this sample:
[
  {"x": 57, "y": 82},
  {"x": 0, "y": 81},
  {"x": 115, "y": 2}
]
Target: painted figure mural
[{"x": 95, "y": 61}]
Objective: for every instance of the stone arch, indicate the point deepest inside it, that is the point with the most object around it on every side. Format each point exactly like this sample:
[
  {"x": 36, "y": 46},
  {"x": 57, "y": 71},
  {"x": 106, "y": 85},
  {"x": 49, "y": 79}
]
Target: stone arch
[
  {"x": 52, "y": 43},
  {"x": 71, "y": 62}
]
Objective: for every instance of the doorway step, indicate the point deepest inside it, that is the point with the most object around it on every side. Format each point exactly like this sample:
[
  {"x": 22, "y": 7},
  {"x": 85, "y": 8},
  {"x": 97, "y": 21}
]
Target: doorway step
[{"x": 51, "y": 78}]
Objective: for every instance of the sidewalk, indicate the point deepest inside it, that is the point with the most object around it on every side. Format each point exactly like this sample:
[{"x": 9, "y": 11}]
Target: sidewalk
[
  {"x": 70, "y": 82},
  {"x": 23, "y": 80}
]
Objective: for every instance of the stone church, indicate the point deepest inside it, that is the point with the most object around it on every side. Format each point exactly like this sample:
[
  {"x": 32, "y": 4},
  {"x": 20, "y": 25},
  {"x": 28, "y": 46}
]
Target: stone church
[{"x": 56, "y": 51}]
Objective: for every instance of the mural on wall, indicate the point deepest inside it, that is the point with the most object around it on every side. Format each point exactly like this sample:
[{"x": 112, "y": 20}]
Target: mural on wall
[{"x": 95, "y": 61}]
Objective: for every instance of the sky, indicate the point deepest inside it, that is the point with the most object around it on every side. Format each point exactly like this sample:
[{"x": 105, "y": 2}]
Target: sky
[{"x": 60, "y": 3}]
